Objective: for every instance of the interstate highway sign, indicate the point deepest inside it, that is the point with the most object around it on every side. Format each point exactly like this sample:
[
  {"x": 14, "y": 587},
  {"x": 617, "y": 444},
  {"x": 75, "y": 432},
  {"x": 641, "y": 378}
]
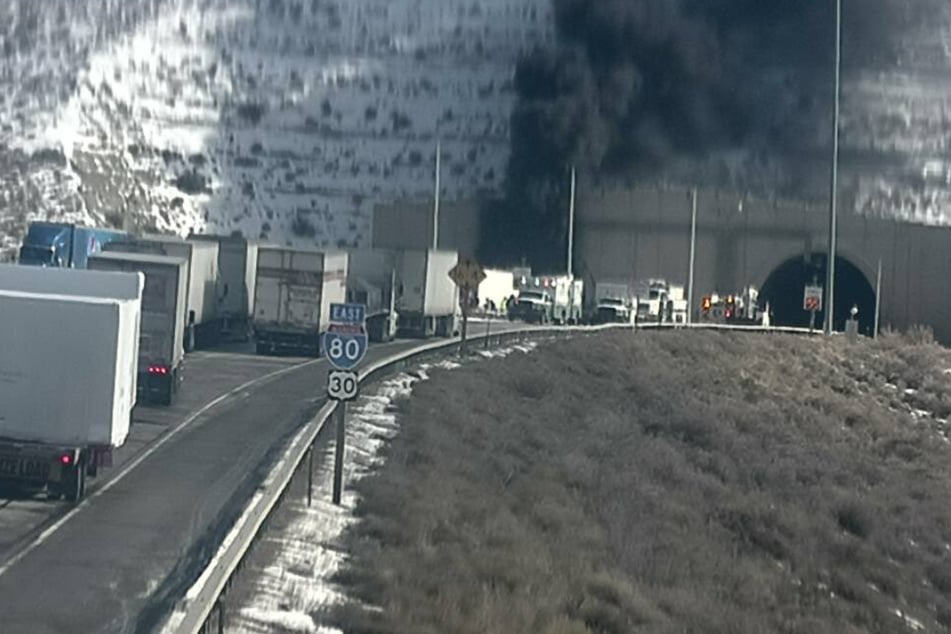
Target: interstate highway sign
[
  {"x": 345, "y": 342},
  {"x": 345, "y": 346},
  {"x": 348, "y": 314},
  {"x": 467, "y": 273}
]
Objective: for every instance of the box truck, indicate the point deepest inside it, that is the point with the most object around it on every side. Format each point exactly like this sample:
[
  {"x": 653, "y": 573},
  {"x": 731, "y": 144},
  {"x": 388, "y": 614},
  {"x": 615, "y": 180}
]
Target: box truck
[
  {"x": 64, "y": 245},
  {"x": 496, "y": 288},
  {"x": 203, "y": 327},
  {"x": 292, "y": 297},
  {"x": 237, "y": 271},
  {"x": 60, "y": 422},
  {"x": 371, "y": 280},
  {"x": 613, "y": 302},
  {"x": 161, "y": 351},
  {"x": 427, "y": 299}
]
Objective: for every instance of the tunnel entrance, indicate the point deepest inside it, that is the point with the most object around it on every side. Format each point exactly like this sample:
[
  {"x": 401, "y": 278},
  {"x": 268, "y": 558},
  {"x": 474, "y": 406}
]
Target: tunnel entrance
[{"x": 783, "y": 290}]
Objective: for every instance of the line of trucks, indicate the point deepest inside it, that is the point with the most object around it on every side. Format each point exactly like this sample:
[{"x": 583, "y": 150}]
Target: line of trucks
[{"x": 123, "y": 311}]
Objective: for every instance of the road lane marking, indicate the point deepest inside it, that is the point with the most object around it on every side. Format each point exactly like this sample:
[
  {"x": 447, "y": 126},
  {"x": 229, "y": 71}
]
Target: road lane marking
[
  {"x": 132, "y": 464},
  {"x": 152, "y": 448}
]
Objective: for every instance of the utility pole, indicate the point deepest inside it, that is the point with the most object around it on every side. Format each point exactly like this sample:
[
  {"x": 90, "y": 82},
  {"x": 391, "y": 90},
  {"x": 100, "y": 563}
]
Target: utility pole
[
  {"x": 878, "y": 298},
  {"x": 571, "y": 222},
  {"x": 693, "y": 253},
  {"x": 833, "y": 202},
  {"x": 436, "y": 198}
]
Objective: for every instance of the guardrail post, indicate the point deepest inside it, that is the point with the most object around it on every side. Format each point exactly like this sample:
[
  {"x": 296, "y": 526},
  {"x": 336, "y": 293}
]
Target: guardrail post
[
  {"x": 221, "y": 617},
  {"x": 310, "y": 475}
]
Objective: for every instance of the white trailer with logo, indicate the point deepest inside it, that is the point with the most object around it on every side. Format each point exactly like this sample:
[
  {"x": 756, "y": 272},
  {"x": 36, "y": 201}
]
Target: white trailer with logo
[{"x": 292, "y": 297}]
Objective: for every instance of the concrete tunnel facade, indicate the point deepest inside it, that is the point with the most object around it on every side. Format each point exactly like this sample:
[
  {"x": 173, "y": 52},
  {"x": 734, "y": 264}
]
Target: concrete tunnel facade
[{"x": 642, "y": 231}]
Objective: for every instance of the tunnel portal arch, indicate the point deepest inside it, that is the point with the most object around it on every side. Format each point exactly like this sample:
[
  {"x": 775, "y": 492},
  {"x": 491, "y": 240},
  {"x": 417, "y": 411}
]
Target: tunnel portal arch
[{"x": 783, "y": 291}]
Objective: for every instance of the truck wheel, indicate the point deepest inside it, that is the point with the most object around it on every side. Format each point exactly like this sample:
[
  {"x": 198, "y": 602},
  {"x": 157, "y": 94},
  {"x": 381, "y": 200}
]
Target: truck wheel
[
  {"x": 168, "y": 394},
  {"x": 74, "y": 484}
]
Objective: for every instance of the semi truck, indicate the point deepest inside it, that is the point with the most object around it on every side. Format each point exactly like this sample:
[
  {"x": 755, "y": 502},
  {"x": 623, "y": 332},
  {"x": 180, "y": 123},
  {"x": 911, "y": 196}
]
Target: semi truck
[
  {"x": 203, "y": 328},
  {"x": 292, "y": 297},
  {"x": 427, "y": 298},
  {"x": 161, "y": 350},
  {"x": 497, "y": 287},
  {"x": 64, "y": 245},
  {"x": 237, "y": 270},
  {"x": 60, "y": 423},
  {"x": 371, "y": 280}
]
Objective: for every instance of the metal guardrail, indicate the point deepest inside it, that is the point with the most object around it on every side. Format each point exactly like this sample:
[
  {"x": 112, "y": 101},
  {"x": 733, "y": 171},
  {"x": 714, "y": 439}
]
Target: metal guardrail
[
  {"x": 202, "y": 609},
  {"x": 790, "y": 330}
]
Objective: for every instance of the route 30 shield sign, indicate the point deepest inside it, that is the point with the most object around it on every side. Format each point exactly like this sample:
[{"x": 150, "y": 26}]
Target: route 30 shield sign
[{"x": 342, "y": 385}]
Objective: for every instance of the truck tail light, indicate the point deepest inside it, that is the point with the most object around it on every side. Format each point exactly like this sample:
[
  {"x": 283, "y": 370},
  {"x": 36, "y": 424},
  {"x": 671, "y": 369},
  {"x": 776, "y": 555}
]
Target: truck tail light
[{"x": 158, "y": 369}]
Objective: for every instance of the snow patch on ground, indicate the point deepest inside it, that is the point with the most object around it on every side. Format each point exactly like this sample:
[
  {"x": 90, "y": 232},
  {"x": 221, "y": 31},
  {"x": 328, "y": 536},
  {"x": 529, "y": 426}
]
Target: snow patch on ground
[
  {"x": 295, "y": 588},
  {"x": 504, "y": 352}
]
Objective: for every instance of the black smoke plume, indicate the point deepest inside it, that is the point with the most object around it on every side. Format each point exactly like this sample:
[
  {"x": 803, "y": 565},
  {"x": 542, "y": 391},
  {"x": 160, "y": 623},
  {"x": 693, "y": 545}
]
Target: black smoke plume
[{"x": 662, "y": 88}]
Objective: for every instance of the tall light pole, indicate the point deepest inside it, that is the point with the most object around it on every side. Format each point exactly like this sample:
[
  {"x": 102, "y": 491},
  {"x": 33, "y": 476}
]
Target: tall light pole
[
  {"x": 693, "y": 253},
  {"x": 833, "y": 202},
  {"x": 571, "y": 222},
  {"x": 436, "y": 199}
]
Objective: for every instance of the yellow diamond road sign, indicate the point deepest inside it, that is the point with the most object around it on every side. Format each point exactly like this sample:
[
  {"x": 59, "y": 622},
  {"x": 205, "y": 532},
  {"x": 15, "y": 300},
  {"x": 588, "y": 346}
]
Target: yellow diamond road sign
[{"x": 467, "y": 273}]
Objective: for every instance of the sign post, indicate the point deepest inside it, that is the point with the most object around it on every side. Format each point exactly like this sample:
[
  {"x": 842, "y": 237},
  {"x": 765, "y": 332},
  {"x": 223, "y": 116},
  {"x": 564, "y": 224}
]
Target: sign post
[
  {"x": 812, "y": 303},
  {"x": 467, "y": 274},
  {"x": 345, "y": 345}
]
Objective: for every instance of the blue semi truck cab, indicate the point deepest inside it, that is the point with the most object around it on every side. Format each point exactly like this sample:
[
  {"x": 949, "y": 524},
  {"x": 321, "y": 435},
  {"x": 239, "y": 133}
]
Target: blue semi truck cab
[{"x": 64, "y": 245}]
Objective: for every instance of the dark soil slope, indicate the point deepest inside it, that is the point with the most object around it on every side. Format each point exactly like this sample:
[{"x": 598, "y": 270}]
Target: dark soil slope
[{"x": 666, "y": 482}]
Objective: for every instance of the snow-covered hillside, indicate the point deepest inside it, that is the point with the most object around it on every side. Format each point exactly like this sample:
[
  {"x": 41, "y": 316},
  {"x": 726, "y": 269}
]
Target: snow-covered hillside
[
  {"x": 896, "y": 130},
  {"x": 280, "y": 118},
  {"x": 290, "y": 119}
]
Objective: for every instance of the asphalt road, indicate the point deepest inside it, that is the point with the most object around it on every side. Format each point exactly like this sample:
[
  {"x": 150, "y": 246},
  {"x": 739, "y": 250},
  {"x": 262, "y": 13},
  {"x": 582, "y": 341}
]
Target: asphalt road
[{"x": 116, "y": 562}]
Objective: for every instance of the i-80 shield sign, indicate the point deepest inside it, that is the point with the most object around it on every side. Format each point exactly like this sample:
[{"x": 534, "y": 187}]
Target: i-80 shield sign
[{"x": 344, "y": 350}]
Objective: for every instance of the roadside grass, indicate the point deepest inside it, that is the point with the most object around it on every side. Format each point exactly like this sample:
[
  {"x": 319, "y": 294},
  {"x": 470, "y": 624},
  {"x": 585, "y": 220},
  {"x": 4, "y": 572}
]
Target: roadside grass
[{"x": 665, "y": 482}]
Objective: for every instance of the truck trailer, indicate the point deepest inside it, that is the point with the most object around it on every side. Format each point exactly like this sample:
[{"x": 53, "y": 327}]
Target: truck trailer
[
  {"x": 496, "y": 288},
  {"x": 428, "y": 299},
  {"x": 60, "y": 423},
  {"x": 237, "y": 271},
  {"x": 371, "y": 280},
  {"x": 161, "y": 350},
  {"x": 64, "y": 245},
  {"x": 202, "y": 327},
  {"x": 292, "y": 297}
]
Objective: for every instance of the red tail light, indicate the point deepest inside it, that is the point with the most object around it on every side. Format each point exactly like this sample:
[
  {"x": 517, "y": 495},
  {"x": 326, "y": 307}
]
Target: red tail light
[
  {"x": 729, "y": 313},
  {"x": 66, "y": 459},
  {"x": 158, "y": 369}
]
